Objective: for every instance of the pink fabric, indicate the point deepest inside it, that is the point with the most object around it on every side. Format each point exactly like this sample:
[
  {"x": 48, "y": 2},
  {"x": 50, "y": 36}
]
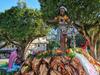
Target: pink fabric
[{"x": 12, "y": 58}]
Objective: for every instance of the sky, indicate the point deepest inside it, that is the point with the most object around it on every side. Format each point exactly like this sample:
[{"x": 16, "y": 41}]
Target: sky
[{"x": 7, "y": 4}]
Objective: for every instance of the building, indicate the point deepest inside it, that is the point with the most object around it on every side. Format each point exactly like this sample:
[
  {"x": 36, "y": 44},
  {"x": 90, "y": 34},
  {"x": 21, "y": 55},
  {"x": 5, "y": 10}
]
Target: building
[
  {"x": 39, "y": 44},
  {"x": 36, "y": 45}
]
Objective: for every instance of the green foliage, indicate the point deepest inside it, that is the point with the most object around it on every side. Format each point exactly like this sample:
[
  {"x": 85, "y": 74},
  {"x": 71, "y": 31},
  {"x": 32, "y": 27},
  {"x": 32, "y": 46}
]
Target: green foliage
[
  {"x": 80, "y": 40},
  {"x": 1, "y": 38},
  {"x": 71, "y": 55},
  {"x": 86, "y": 11},
  {"x": 53, "y": 45},
  {"x": 22, "y": 24}
]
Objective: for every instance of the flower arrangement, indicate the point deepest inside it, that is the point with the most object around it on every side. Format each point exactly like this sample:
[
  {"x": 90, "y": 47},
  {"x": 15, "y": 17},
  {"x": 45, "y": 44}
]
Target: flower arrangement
[{"x": 58, "y": 52}]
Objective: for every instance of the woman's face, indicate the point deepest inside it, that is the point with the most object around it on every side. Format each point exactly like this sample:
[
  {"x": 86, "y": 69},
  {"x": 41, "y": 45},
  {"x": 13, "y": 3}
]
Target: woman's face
[{"x": 62, "y": 11}]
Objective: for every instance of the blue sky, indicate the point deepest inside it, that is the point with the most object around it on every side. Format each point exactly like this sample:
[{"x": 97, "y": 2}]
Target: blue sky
[{"x": 7, "y": 4}]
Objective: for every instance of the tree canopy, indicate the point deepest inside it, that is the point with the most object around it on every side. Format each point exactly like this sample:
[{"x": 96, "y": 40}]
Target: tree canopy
[
  {"x": 21, "y": 25},
  {"x": 86, "y": 11}
]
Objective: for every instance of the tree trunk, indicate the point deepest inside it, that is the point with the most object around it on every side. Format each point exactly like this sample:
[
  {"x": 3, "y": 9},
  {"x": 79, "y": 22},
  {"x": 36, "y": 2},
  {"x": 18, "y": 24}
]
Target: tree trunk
[
  {"x": 95, "y": 51},
  {"x": 98, "y": 50},
  {"x": 92, "y": 39},
  {"x": 27, "y": 45},
  {"x": 3, "y": 45},
  {"x": 89, "y": 41}
]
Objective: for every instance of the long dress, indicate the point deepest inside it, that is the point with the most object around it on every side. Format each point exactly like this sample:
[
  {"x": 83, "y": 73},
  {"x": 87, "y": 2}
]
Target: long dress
[
  {"x": 64, "y": 31},
  {"x": 63, "y": 35}
]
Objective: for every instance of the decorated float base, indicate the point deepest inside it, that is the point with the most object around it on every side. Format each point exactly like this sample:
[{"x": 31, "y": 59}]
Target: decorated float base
[
  {"x": 59, "y": 62},
  {"x": 56, "y": 66}
]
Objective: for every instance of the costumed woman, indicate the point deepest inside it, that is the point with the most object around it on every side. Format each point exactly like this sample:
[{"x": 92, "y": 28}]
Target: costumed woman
[{"x": 63, "y": 20}]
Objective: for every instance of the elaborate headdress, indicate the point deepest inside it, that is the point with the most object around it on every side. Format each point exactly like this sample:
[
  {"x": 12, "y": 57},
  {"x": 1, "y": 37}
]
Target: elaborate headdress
[{"x": 62, "y": 7}]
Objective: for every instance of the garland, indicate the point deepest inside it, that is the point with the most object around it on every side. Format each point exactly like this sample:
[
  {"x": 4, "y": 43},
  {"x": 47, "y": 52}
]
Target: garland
[{"x": 51, "y": 53}]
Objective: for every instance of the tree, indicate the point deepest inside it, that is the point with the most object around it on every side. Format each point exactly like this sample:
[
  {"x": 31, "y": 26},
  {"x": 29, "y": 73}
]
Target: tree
[
  {"x": 21, "y": 26},
  {"x": 3, "y": 43},
  {"x": 84, "y": 13}
]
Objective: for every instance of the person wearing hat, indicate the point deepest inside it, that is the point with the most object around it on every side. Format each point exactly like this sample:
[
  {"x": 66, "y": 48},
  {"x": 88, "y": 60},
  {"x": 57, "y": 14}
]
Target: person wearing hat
[{"x": 63, "y": 20}]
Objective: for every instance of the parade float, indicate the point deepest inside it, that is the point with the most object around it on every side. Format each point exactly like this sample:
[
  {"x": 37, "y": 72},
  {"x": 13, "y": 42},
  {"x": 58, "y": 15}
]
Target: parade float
[{"x": 61, "y": 61}]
